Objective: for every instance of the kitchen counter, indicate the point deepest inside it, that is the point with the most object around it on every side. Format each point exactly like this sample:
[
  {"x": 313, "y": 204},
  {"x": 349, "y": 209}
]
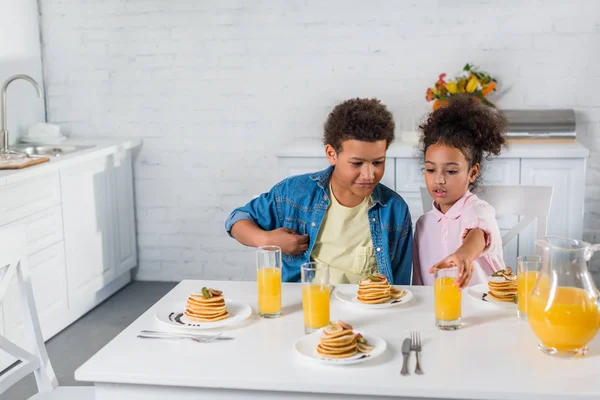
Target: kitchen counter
[
  {"x": 101, "y": 148},
  {"x": 313, "y": 147}
]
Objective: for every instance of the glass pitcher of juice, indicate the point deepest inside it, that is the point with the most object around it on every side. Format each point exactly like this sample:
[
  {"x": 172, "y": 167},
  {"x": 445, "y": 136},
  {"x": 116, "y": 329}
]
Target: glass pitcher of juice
[{"x": 564, "y": 308}]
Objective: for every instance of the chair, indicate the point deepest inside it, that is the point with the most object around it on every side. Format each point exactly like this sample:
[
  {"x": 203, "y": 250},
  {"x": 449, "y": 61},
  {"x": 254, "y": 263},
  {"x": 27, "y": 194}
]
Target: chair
[
  {"x": 14, "y": 270},
  {"x": 528, "y": 202}
]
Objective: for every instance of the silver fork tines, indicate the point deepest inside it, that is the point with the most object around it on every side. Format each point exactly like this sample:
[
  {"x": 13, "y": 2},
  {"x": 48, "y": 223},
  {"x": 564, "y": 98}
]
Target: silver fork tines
[{"x": 415, "y": 345}]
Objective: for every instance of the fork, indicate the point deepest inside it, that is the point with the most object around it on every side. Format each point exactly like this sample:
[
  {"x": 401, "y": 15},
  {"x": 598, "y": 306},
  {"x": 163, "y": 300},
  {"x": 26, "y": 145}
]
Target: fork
[
  {"x": 195, "y": 339},
  {"x": 176, "y": 334},
  {"x": 415, "y": 345}
]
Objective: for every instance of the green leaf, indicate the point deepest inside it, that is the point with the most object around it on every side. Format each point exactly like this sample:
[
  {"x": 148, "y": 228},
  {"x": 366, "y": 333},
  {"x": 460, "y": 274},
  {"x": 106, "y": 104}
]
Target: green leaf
[{"x": 488, "y": 103}]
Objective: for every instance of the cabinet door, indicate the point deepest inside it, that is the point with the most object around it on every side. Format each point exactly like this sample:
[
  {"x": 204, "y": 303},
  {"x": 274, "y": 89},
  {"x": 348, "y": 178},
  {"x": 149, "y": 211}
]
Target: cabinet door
[
  {"x": 27, "y": 197},
  {"x": 304, "y": 165},
  {"x": 5, "y": 360},
  {"x": 49, "y": 283},
  {"x": 124, "y": 213},
  {"x": 88, "y": 226},
  {"x": 501, "y": 171},
  {"x": 567, "y": 176}
]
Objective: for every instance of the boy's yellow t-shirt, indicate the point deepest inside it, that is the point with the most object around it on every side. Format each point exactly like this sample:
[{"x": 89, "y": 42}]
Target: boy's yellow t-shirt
[{"x": 344, "y": 242}]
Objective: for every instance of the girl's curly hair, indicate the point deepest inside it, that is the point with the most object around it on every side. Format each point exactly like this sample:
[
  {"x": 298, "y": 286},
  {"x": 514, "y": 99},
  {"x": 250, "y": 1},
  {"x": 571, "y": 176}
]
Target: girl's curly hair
[
  {"x": 366, "y": 120},
  {"x": 475, "y": 129}
]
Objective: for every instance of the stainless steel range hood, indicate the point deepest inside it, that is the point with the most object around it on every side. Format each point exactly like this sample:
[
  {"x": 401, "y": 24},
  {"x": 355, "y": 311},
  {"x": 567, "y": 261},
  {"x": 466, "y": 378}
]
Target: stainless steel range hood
[{"x": 541, "y": 124}]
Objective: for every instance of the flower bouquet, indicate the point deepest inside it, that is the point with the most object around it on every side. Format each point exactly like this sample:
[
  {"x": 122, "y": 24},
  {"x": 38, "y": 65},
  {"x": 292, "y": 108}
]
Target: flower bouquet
[{"x": 469, "y": 82}]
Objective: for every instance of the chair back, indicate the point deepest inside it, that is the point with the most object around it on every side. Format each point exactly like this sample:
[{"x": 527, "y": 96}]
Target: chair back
[
  {"x": 528, "y": 202},
  {"x": 33, "y": 358}
]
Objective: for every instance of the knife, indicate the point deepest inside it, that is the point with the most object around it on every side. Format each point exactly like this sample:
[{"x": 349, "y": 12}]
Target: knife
[{"x": 406, "y": 353}]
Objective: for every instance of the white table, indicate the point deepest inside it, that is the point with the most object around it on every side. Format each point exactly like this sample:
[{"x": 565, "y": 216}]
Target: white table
[{"x": 494, "y": 356}]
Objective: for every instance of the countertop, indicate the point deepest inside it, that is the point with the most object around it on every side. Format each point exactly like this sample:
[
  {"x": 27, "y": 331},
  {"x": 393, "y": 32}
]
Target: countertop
[
  {"x": 313, "y": 147},
  {"x": 101, "y": 148}
]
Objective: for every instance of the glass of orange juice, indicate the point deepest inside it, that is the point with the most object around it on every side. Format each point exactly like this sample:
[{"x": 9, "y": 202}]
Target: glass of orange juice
[
  {"x": 268, "y": 278},
  {"x": 447, "y": 299},
  {"x": 528, "y": 269},
  {"x": 315, "y": 295}
]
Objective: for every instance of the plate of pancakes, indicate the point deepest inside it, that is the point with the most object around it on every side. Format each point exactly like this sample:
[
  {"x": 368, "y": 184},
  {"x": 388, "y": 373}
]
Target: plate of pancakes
[
  {"x": 206, "y": 309},
  {"x": 501, "y": 289},
  {"x": 374, "y": 291},
  {"x": 339, "y": 344}
]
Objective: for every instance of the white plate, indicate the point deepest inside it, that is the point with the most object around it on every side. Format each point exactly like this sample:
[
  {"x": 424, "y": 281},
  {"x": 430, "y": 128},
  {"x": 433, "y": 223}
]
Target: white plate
[
  {"x": 174, "y": 317},
  {"x": 348, "y": 295},
  {"x": 479, "y": 293},
  {"x": 306, "y": 346}
]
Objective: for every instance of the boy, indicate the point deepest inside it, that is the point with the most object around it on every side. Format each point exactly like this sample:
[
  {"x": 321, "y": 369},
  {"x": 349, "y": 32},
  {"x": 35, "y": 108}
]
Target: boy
[{"x": 341, "y": 216}]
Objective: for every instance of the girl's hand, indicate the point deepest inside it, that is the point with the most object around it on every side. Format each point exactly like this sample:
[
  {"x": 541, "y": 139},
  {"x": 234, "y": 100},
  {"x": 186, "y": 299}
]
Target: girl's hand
[{"x": 464, "y": 264}]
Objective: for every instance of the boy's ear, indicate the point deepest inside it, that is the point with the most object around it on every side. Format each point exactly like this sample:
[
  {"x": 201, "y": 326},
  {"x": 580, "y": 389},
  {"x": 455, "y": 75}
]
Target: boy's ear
[
  {"x": 474, "y": 173},
  {"x": 331, "y": 154}
]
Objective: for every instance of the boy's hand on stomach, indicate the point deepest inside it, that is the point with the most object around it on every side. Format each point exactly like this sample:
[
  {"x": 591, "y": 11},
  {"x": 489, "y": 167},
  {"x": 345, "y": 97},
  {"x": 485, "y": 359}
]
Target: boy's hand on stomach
[
  {"x": 464, "y": 264},
  {"x": 290, "y": 242}
]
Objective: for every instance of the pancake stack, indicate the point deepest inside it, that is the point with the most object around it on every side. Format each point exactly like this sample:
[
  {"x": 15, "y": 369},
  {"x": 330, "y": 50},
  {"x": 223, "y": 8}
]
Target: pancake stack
[
  {"x": 503, "y": 286},
  {"x": 207, "y": 306},
  {"x": 340, "y": 341},
  {"x": 375, "y": 289}
]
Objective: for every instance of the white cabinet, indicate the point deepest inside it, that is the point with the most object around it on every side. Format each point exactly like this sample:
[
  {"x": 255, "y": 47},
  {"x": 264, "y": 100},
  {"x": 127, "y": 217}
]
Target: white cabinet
[
  {"x": 86, "y": 190},
  {"x": 561, "y": 165},
  {"x": 125, "y": 212},
  {"x": 24, "y": 198},
  {"x": 566, "y": 211},
  {"x": 81, "y": 238},
  {"x": 98, "y": 212},
  {"x": 49, "y": 282}
]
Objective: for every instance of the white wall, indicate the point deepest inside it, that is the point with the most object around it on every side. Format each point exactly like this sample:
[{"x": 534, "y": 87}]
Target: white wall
[
  {"x": 20, "y": 54},
  {"x": 216, "y": 87}
]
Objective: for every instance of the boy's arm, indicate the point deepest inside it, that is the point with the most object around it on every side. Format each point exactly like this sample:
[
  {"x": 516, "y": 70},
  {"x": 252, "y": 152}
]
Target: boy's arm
[
  {"x": 248, "y": 233},
  {"x": 258, "y": 224},
  {"x": 402, "y": 268}
]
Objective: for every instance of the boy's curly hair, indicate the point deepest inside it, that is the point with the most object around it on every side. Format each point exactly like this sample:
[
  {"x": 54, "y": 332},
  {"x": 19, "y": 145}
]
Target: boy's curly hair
[
  {"x": 366, "y": 120},
  {"x": 475, "y": 129}
]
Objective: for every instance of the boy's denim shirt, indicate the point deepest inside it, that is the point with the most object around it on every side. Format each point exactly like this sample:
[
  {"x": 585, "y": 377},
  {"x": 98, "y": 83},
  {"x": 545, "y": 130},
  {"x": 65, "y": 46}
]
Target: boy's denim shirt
[{"x": 300, "y": 203}]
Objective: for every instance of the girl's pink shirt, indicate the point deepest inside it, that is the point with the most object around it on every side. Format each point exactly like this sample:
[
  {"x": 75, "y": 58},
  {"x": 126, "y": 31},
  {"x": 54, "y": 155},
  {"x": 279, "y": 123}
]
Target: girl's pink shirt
[{"x": 437, "y": 235}]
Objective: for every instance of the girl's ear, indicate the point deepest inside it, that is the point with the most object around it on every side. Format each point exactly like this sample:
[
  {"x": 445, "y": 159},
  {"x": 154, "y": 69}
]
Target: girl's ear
[
  {"x": 474, "y": 172},
  {"x": 331, "y": 154}
]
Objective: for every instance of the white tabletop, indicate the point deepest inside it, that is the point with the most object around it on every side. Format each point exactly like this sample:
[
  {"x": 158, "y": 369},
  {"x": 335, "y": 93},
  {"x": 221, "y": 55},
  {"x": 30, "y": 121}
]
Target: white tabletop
[{"x": 494, "y": 356}]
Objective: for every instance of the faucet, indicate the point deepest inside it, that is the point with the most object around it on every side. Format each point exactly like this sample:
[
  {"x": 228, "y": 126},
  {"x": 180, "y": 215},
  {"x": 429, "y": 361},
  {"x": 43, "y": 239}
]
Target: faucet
[{"x": 5, "y": 151}]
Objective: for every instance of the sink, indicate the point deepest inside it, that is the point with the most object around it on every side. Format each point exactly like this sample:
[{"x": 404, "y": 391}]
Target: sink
[{"x": 50, "y": 150}]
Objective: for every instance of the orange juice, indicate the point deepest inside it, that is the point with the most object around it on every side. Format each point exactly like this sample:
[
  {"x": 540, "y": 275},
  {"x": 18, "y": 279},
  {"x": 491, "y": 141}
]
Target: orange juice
[
  {"x": 525, "y": 282},
  {"x": 568, "y": 323},
  {"x": 269, "y": 291},
  {"x": 315, "y": 304},
  {"x": 447, "y": 299}
]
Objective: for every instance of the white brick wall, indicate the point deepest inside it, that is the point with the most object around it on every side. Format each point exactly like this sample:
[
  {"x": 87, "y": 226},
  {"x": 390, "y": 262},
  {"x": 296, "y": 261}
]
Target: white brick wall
[
  {"x": 20, "y": 54},
  {"x": 215, "y": 87}
]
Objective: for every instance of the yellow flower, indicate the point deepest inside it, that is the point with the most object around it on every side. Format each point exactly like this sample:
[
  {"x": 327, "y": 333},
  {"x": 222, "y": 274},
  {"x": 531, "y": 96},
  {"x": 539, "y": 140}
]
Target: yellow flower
[
  {"x": 452, "y": 88},
  {"x": 472, "y": 84}
]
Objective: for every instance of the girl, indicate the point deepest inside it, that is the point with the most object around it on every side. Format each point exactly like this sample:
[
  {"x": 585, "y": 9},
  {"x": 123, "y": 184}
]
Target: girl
[{"x": 461, "y": 229}]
